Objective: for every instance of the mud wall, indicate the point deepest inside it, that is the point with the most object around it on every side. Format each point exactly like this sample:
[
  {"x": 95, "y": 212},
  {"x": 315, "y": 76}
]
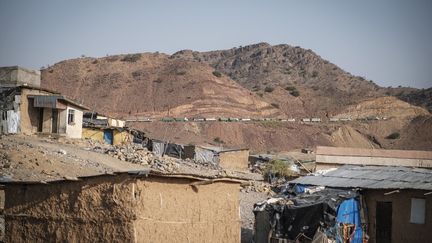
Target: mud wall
[
  {"x": 234, "y": 160},
  {"x": 173, "y": 211},
  {"x": 93, "y": 133},
  {"x": 402, "y": 229},
  {"x": 121, "y": 137},
  {"x": 122, "y": 209}
]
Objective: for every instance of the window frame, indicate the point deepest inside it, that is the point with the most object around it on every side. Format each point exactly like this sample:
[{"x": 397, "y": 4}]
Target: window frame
[
  {"x": 417, "y": 214},
  {"x": 71, "y": 117}
]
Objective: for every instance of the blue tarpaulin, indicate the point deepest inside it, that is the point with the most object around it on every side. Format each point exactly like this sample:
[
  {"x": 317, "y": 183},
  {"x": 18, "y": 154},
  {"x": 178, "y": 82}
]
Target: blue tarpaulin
[
  {"x": 299, "y": 188},
  {"x": 349, "y": 212}
]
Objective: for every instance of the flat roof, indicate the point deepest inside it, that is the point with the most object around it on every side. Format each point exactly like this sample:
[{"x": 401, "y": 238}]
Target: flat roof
[
  {"x": 135, "y": 173},
  {"x": 62, "y": 97},
  {"x": 384, "y": 153}
]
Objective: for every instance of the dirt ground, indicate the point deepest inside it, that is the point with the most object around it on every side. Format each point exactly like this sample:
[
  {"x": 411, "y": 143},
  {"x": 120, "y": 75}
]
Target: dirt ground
[
  {"x": 247, "y": 200},
  {"x": 31, "y": 158}
]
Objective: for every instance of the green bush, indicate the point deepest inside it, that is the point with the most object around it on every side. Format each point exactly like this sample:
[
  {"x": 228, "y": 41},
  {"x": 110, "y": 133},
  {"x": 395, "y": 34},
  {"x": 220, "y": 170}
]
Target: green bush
[
  {"x": 218, "y": 140},
  {"x": 275, "y": 105},
  {"x": 268, "y": 89},
  {"x": 295, "y": 93},
  {"x": 217, "y": 74},
  {"x": 131, "y": 57},
  {"x": 314, "y": 74},
  {"x": 290, "y": 88},
  {"x": 394, "y": 135},
  {"x": 180, "y": 72},
  {"x": 278, "y": 168}
]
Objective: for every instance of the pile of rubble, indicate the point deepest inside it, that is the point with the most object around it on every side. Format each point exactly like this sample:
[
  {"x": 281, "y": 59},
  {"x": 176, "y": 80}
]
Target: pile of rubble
[
  {"x": 135, "y": 153},
  {"x": 257, "y": 186}
]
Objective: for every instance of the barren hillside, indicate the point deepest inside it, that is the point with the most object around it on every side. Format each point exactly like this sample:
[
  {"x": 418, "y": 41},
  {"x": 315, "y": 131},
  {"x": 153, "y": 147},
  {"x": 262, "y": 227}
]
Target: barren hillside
[
  {"x": 254, "y": 81},
  {"x": 304, "y": 80},
  {"x": 154, "y": 85},
  {"x": 388, "y": 107}
]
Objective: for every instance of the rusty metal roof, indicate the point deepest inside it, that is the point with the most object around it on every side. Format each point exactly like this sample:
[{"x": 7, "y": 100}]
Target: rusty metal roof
[{"x": 372, "y": 177}]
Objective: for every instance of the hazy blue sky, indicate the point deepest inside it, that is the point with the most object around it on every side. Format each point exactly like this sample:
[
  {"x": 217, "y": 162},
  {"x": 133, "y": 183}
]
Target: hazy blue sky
[{"x": 388, "y": 41}]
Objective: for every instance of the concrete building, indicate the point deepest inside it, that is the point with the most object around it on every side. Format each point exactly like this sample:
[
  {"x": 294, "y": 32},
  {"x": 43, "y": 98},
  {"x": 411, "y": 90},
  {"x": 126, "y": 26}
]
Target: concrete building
[
  {"x": 333, "y": 157},
  {"x": 134, "y": 206},
  {"x": 26, "y": 108}
]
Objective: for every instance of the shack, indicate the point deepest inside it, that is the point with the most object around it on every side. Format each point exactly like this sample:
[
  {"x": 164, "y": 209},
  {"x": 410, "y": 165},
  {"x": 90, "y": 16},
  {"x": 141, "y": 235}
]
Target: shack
[
  {"x": 26, "y": 108},
  {"x": 162, "y": 148},
  {"x": 333, "y": 157},
  {"x": 232, "y": 159},
  {"x": 105, "y": 129},
  {"x": 133, "y": 206},
  {"x": 393, "y": 204}
]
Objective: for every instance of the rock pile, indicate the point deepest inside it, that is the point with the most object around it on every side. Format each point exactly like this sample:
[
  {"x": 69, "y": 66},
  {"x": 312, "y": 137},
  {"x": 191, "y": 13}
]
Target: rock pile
[{"x": 135, "y": 153}]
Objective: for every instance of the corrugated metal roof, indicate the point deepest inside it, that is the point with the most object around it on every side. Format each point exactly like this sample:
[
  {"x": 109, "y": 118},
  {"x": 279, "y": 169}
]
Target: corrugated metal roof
[
  {"x": 372, "y": 177},
  {"x": 384, "y": 153}
]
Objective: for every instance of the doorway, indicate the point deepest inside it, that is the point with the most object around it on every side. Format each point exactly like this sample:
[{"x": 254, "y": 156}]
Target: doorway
[
  {"x": 54, "y": 121},
  {"x": 108, "y": 136},
  {"x": 40, "y": 120},
  {"x": 383, "y": 222}
]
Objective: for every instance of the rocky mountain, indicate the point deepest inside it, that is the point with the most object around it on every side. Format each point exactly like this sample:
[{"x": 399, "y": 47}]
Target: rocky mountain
[
  {"x": 254, "y": 81},
  {"x": 292, "y": 77},
  {"x": 153, "y": 85},
  {"x": 419, "y": 97}
]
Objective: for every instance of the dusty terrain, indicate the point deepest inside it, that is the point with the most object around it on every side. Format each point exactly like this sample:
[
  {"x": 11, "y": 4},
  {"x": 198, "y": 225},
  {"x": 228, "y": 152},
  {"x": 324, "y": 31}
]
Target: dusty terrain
[
  {"x": 253, "y": 81},
  {"x": 154, "y": 85},
  {"x": 30, "y": 158}
]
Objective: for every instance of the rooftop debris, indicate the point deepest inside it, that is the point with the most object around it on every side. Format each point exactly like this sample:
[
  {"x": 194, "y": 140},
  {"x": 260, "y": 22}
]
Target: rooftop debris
[{"x": 301, "y": 213}]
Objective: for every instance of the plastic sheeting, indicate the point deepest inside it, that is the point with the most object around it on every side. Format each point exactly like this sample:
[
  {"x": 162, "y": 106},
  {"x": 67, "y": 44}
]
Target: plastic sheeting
[
  {"x": 158, "y": 148},
  {"x": 349, "y": 212},
  {"x": 301, "y": 214},
  {"x": 12, "y": 122},
  {"x": 206, "y": 156},
  {"x": 174, "y": 150}
]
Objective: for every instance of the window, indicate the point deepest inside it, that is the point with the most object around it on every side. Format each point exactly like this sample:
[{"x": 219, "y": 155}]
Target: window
[
  {"x": 71, "y": 117},
  {"x": 418, "y": 210}
]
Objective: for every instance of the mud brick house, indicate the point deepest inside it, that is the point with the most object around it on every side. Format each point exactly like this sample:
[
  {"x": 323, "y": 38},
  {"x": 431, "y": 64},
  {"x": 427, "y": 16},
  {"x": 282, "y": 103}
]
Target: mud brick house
[
  {"x": 333, "y": 157},
  {"x": 133, "y": 206},
  {"x": 26, "y": 108}
]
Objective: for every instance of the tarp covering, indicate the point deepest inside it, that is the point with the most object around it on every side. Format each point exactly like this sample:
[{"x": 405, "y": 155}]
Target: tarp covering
[
  {"x": 206, "y": 156},
  {"x": 349, "y": 212},
  {"x": 13, "y": 121},
  {"x": 294, "y": 215},
  {"x": 174, "y": 150},
  {"x": 158, "y": 147}
]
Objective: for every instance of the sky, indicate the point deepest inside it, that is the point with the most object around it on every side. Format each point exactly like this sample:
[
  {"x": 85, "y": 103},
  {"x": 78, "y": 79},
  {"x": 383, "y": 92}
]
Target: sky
[{"x": 387, "y": 41}]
